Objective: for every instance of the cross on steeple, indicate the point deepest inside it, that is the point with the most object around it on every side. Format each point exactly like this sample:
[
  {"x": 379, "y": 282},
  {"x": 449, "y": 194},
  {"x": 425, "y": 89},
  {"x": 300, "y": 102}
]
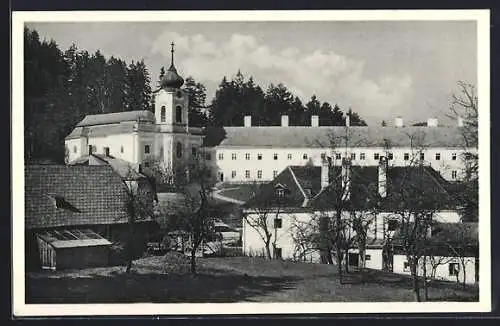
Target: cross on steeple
[{"x": 172, "y": 56}]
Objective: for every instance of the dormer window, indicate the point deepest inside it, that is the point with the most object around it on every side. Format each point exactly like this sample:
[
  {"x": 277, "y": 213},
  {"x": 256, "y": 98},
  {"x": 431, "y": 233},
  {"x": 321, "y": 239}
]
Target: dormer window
[
  {"x": 61, "y": 203},
  {"x": 280, "y": 190}
]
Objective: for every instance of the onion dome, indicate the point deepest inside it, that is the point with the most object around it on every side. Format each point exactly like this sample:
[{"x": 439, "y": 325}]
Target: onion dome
[{"x": 171, "y": 79}]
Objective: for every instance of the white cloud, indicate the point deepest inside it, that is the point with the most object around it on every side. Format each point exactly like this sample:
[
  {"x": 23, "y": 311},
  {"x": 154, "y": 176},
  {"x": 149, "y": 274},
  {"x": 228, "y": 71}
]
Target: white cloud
[{"x": 332, "y": 77}]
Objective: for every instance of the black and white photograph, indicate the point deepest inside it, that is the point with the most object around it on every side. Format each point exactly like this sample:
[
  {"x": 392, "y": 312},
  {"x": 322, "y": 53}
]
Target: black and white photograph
[{"x": 217, "y": 162}]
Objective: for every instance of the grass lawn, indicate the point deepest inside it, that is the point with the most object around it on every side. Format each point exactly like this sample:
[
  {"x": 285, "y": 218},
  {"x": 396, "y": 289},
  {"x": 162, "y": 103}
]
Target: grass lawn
[{"x": 230, "y": 279}]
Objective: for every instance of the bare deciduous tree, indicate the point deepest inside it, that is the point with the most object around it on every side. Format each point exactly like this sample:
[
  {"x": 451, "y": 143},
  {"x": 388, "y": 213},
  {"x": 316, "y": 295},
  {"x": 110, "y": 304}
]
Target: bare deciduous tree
[{"x": 259, "y": 216}]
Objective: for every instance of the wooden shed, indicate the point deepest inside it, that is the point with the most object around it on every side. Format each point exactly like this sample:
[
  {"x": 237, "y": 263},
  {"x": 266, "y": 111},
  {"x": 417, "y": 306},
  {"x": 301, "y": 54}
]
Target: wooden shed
[{"x": 72, "y": 248}]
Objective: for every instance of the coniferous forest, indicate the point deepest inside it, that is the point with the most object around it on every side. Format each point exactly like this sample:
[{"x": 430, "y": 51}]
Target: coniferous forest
[{"x": 61, "y": 86}]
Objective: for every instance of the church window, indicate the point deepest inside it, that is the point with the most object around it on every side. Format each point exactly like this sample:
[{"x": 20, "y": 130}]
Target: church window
[
  {"x": 146, "y": 149},
  {"x": 178, "y": 114},
  {"x": 121, "y": 149},
  {"x": 178, "y": 150},
  {"x": 74, "y": 149},
  {"x": 163, "y": 114},
  {"x": 179, "y": 94}
]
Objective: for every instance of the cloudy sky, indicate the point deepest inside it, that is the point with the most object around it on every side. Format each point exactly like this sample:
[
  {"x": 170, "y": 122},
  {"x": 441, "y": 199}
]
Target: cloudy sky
[{"x": 379, "y": 69}]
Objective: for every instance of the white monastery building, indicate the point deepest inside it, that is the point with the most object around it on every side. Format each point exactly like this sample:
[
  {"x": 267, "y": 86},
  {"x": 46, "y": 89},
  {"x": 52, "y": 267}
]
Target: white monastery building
[
  {"x": 137, "y": 136},
  {"x": 256, "y": 153}
]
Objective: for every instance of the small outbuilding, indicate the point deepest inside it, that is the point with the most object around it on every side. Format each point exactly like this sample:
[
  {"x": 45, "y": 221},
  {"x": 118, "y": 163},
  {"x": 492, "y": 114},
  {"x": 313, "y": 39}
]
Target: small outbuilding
[{"x": 72, "y": 248}]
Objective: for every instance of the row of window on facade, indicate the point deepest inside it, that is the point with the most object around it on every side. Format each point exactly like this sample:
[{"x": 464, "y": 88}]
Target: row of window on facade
[
  {"x": 338, "y": 156},
  {"x": 147, "y": 150},
  {"x": 248, "y": 174},
  {"x": 453, "y": 268}
]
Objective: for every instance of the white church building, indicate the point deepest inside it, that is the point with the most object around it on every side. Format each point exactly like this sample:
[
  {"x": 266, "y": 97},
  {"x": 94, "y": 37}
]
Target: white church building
[{"x": 137, "y": 136}]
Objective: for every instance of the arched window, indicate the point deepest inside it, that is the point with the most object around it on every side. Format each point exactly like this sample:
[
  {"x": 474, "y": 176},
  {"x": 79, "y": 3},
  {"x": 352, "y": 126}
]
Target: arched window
[
  {"x": 178, "y": 114},
  {"x": 178, "y": 150},
  {"x": 163, "y": 114}
]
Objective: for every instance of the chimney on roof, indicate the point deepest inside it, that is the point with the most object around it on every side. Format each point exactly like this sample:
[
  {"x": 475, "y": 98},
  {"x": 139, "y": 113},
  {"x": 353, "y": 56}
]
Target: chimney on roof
[
  {"x": 398, "y": 122},
  {"x": 325, "y": 169},
  {"x": 314, "y": 121},
  {"x": 284, "y": 121},
  {"x": 346, "y": 179},
  {"x": 432, "y": 122},
  {"x": 382, "y": 177},
  {"x": 248, "y": 121},
  {"x": 460, "y": 121}
]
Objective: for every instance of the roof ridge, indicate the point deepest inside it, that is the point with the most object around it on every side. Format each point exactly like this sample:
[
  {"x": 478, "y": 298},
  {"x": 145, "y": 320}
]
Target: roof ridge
[
  {"x": 434, "y": 178},
  {"x": 304, "y": 203}
]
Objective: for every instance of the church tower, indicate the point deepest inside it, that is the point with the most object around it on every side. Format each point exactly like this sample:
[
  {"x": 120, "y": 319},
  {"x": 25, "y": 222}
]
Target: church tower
[{"x": 171, "y": 102}]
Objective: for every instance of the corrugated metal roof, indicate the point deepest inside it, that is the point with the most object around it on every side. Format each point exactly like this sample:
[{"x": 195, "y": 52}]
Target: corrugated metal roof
[
  {"x": 116, "y": 117},
  {"x": 302, "y": 137},
  {"x": 72, "y": 238}
]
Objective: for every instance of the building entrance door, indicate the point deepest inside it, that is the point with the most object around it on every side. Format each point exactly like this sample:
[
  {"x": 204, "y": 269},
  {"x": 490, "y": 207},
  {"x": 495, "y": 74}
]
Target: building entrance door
[{"x": 353, "y": 259}]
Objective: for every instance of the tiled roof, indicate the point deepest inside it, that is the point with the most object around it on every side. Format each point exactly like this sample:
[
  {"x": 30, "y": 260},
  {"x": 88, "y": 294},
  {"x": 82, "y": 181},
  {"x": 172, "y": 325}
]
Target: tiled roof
[
  {"x": 301, "y": 137},
  {"x": 364, "y": 187},
  {"x": 116, "y": 117},
  {"x": 122, "y": 167},
  {"x": 102, "y": 130},
  {"x": 97, "y": 192},
  {"x": 294, "y": 180}
]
